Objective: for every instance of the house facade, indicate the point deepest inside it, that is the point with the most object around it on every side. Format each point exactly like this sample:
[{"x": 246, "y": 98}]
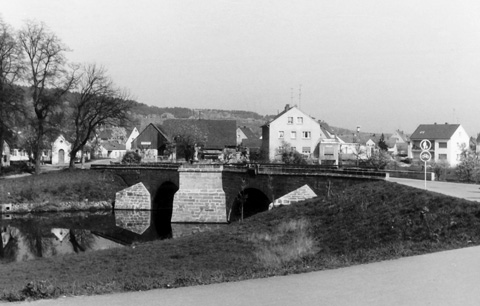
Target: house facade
[
  {"x": 17, "y": 155},
  {"x": 129, "y": 142},
  {"x": 111, "y": 149},
  {"x": 248, "y": 139},
  {"x": 293, "y": 127},
  {"x": 187, "y": 136},
  {"x": 152, "y": 138},
  {"x": 448, "y": 141},
  {"x": 61, "y": 151}
]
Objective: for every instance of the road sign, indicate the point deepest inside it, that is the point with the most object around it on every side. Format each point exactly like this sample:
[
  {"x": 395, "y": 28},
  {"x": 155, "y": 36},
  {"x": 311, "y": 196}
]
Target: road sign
[
  {"x": 425, "y": 145},
  {"x": 425, "y": 156}
]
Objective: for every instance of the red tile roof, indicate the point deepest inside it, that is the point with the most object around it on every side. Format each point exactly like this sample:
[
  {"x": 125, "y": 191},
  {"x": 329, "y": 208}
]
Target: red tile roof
[
  {"x": 434, "y": 131},
  {"x": 213, "y": 134}
]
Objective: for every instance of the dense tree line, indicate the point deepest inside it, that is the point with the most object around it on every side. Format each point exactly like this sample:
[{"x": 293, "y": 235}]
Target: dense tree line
[{"x": 43, "y": 94}]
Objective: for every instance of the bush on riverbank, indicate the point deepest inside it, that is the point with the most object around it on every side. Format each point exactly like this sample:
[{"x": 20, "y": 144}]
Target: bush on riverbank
[
  {"x": 61, "y": 186},
  {"x": 364, "y": 223}
]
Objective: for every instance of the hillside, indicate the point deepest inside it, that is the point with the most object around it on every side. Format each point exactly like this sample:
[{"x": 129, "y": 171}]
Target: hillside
[{"x": 143, "y": 114}]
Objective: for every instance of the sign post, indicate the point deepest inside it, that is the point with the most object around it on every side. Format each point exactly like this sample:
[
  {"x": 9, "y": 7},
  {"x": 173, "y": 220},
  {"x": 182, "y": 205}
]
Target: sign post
[{"x": 425, "y": 155}]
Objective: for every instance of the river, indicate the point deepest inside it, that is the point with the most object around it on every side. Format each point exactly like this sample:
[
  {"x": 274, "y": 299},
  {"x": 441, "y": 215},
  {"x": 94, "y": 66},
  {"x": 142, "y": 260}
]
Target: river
[{"x": 43, "y": 235}]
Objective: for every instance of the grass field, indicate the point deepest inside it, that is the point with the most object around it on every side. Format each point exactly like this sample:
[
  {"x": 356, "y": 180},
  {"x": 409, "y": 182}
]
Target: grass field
[
  {"x": 60, "y": 186},
  {"x": 364, "y": 223}
]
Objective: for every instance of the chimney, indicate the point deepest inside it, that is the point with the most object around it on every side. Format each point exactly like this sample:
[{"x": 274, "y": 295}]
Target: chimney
[{"x": 287, "y": 107}]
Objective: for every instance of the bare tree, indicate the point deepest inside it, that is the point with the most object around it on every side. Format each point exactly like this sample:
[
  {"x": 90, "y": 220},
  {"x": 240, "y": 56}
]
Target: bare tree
[
  {"x": 11, "y": 67},
  {"x": 97, "y": 103},
  {"x": 46, "y": 76}
]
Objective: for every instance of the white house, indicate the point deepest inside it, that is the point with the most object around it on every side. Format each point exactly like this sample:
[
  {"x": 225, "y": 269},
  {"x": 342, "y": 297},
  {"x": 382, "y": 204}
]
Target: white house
[
  {"x": 133, "y": 134},
  {"x": 293, "y": 127},
  {"x": 61, "y": 151},
  {"x": 18, "y": 155},
  {"x": 111, "y": 149},
  {"x": 5, "y": 162},
  {"x": 448, "y": 141}
]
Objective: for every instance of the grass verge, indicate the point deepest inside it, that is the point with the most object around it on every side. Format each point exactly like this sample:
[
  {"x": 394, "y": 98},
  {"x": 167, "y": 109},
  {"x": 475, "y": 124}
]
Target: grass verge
[
  {"x": 364, "y": 223},
  {"x": 61, "y": 186}
]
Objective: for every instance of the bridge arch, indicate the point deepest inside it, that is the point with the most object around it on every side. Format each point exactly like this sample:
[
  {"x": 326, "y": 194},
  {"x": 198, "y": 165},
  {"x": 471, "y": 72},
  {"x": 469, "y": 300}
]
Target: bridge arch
[
  {"x": 254, "y": 202},
  {"x": 162, "y": 207}
]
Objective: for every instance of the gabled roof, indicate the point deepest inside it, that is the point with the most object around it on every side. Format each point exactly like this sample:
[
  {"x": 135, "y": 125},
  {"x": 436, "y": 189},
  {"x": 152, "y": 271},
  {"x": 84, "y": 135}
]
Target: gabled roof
[
  {"x": 287, "y": 108},
  {"x": 435, "y": 131},
  {"x": 248, "y": 132},
  {"x": 112, "y": 146},
  {"x": 213, "y": 134},
  {"x": 404, "y": 137}
]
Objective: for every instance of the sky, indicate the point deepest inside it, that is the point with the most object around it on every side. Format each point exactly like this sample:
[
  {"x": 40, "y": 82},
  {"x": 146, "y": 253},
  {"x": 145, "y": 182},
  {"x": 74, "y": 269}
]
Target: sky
[{"x": 379, "y": 65}]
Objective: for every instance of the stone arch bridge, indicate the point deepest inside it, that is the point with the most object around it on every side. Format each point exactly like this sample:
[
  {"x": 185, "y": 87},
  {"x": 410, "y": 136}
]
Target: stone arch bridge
[{"x": 214, "y": 193}]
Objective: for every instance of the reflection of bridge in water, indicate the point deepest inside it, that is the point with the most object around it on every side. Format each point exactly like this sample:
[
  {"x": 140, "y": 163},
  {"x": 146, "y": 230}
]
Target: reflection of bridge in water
[
  {"x": 30, "y": 236},
  {"x": 212, "y": 193}
]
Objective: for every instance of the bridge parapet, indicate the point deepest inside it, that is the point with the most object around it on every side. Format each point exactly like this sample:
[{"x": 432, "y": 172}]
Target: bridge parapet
[
  {"x": 115, "y": 166},
  {"x": 281, "y": 169}
]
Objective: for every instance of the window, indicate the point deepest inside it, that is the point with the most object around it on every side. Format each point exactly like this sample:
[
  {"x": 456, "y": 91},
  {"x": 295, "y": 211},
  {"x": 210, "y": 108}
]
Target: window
[
  {"x": 306, "y": 150},
  {"x": 442, "y": 156},
  {"x": 442, "y": 145},
  {"x": 293, "y": 135},
  {"x": 290, "y": 120},
  {"x": 299, "y": 120},
  {"x": 306, "y": 135},
  {"x": 293, "y": 149},
  {"x": 280, "y": 134}
]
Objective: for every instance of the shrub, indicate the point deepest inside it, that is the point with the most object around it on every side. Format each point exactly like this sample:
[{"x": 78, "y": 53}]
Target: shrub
[
  {"x": 131, "y": 158},
  {"x": 293, "y": 158}
]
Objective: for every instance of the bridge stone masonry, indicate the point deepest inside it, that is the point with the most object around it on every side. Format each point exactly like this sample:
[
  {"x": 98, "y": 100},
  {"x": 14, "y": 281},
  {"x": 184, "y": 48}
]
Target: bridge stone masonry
[{"x": 218, "y": 193}]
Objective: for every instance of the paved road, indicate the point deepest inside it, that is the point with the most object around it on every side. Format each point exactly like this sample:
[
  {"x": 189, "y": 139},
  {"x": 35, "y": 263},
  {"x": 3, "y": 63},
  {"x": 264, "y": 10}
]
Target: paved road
[
  {"x": 466, "y": 191},
  {"x": 444, "y": 278}
]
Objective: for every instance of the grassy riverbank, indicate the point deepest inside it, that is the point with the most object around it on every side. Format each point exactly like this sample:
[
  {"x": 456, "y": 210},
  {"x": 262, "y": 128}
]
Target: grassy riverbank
[
  {"x": 365, "y": 223},
  {"x": 61, "y": 186}
]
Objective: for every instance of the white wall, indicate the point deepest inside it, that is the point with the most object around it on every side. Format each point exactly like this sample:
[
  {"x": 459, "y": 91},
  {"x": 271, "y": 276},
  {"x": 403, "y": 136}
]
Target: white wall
[{"x": 282, "y": 124}]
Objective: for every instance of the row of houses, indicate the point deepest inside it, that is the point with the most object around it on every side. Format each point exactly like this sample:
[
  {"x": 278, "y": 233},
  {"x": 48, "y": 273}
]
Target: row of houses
[
  {"x": 105, "y": 145},
  {"x": 292, "y": 129}
]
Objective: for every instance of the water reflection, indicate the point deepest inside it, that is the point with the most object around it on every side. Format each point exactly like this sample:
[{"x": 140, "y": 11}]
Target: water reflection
[{"x": 33, "y": 236}]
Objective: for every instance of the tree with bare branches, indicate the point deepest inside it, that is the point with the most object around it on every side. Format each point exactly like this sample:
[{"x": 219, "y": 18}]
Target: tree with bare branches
[
  {"x": 97, "y": 102},
  {"x": 46, "y": 76},
  {"x": 11, "y": 68}
]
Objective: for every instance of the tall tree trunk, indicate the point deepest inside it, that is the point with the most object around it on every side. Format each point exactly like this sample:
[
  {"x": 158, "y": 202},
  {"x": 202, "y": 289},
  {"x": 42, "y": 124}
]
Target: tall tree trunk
[
  {"x": 1, "y": 149},
  {"x": 73, "y": 154},
  {"x": 37, "y": 151}
]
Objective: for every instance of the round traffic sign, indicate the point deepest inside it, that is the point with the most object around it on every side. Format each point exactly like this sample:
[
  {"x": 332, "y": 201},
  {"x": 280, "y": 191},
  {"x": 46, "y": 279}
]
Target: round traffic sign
[
  {"x": 425, "y": 156},
  {"x": 425, "y": 145}
]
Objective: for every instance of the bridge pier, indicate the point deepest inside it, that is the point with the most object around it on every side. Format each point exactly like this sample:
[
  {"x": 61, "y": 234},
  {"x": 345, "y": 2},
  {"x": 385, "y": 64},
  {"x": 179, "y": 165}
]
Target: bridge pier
[{"x": 200, "y": 197}]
